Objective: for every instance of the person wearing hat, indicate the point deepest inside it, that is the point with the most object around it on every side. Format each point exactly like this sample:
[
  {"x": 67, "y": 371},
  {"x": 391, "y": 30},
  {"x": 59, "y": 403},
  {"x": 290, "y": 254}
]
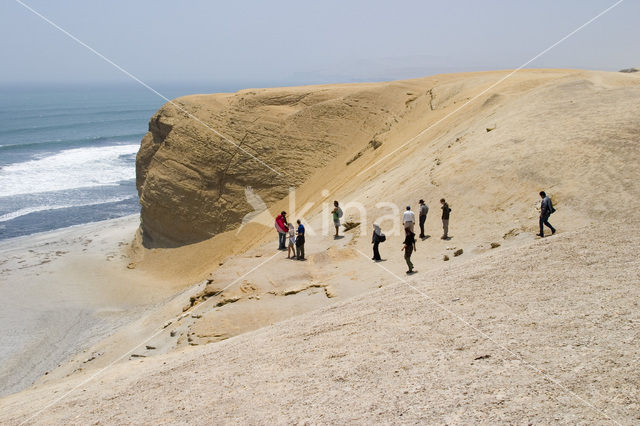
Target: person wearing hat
[
  {"x": 424, "y": 209},
  {"x": 446, "y": 211},
  {"x": 409, "y": 219},
  {"x": 282, "y": 228}
]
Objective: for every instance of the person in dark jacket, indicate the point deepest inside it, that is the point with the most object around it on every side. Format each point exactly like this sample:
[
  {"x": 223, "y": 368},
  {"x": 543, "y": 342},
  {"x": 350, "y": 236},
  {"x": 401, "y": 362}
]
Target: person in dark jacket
[
  {"x": 300, "y": 241},
  {"x": 546, "y": 208},
  {"x": 445, "y": 218},
  {"x": 375, "y": 240},
  {"x": 424, "y": 209},
  {"x": 409, "y": 247}
]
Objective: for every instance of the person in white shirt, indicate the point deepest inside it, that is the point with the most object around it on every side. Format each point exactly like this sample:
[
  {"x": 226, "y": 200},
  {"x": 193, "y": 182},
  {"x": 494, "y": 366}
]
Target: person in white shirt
[
  {"x": 292, "y": 242},
  {"x": 409, "y": 219}
]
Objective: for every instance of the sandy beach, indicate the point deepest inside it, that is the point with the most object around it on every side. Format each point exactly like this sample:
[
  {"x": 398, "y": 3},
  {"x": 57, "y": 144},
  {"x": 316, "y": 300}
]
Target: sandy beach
[{"x": 63, "y": 291}]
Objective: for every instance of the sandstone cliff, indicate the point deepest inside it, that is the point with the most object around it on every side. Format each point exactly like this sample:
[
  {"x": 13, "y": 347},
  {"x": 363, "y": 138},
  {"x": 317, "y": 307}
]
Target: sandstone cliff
[
  {"x": 548, "y": 129},
  {"x": 192, "y": 181}
]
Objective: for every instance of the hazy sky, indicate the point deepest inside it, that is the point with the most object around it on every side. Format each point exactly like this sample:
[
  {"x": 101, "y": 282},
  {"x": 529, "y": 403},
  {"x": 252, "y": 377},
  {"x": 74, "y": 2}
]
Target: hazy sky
[{"x": 291, "y": 42}]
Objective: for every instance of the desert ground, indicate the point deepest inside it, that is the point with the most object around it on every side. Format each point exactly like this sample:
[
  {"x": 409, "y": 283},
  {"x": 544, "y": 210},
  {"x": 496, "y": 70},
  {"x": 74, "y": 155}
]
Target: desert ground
[{"x": 514, "y": 329}]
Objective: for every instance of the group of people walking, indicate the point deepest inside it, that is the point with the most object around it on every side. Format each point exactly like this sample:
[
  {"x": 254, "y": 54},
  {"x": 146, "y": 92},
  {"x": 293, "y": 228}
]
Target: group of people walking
[
  {"x": 296, "y": 236},
  {"x": 409, "y": 221}
]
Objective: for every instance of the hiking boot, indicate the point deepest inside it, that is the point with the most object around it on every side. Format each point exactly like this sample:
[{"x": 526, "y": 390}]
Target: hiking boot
[{"x": 553, "y": 231}]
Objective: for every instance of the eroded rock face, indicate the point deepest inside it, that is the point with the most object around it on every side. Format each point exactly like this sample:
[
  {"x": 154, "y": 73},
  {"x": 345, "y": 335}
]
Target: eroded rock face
[{"x": 191, "y": 180}]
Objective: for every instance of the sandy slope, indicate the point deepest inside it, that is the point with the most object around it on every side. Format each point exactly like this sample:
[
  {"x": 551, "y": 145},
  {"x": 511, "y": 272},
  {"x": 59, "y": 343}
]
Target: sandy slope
[
  {"x": 544, "y": 333},
  {"x": 573, "y": 133}
]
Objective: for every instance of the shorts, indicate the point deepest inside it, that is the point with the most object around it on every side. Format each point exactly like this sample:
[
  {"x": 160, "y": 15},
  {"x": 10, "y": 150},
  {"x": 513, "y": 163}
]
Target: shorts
[{"x": 336, "y": 222}]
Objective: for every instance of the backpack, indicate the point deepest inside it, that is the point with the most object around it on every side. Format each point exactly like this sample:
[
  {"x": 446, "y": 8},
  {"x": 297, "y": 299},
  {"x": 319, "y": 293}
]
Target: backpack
[
  {"x": 382, "y": 238},
  {"x": 339, "y": 213}
]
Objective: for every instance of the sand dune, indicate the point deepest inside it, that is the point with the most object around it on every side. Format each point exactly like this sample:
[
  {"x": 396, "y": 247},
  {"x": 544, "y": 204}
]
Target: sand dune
[{"x": 338, "y": 339}]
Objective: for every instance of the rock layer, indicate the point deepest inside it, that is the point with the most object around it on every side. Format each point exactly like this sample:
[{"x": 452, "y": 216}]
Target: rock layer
[{"x": 202, "y": 151}]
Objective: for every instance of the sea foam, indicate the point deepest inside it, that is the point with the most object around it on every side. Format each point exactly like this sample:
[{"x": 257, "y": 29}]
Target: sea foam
[{"x": 69, "y": 169}]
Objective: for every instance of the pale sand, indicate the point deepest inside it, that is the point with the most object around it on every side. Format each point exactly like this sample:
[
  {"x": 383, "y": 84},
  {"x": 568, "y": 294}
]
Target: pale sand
[
  {"x": 561, "y": 315},
  {"x": 64, "y": 290},
  {"x": 573, "y": 133}
]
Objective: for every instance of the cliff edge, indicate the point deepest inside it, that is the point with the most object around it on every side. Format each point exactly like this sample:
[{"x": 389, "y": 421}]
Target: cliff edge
[{"x": 202, "y": 151}]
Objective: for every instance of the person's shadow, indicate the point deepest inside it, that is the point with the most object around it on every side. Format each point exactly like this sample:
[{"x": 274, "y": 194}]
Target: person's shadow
[{"x": 338, "y": 237}]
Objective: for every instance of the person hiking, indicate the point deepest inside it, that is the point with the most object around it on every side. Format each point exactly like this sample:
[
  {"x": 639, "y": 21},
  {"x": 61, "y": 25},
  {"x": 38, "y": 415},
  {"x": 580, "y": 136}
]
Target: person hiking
[
  {"x": 409, "y": 247},
  {"x": 292, "y": 242},
  {"x": 300, "y": 241},
  {"x": 337, "y": 214},
  {"x": 377, "y": 238},
  {"x": 424, "y": 209},
  {"x": 445, "y": 218},
  {"x": 409, "y": 219},
  {"x": 546, "y": 208},
  {"x": 282, "y": 228}
]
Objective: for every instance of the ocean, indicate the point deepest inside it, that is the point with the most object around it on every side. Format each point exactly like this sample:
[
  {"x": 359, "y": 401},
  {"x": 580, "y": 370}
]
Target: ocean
[{"x": 67, "y": 153}]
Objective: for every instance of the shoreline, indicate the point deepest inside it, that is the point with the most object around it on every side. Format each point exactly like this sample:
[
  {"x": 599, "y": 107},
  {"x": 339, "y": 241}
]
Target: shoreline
[
  {"x": 52, "y": 232},
  {"x": 65, "y": 290}
]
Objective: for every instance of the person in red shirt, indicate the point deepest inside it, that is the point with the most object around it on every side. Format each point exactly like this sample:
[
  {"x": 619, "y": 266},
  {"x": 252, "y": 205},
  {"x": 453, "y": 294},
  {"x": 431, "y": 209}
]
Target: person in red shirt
[{"x": 282, "y": 228}]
